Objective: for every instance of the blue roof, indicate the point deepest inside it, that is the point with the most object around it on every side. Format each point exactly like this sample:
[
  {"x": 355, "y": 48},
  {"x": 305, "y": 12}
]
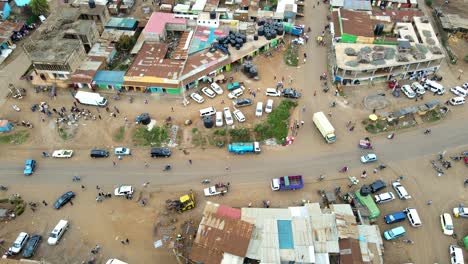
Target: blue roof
[
  {"x": 122, "y": 23},
  {"x": 109, "y": 77},
  {"x": 357, "y": 5},
  {"x": 22, "y": 2},
  {"x": 285, "y": 235}
]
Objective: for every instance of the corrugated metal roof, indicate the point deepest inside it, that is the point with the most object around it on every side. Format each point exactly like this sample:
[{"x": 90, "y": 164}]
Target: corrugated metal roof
[
  {"x": 322, "y": 258},
  {"x": 350, "y": 251},
  {"x": 325, "y": 233},
  {"x": 231, "y": 259},
  {"x": 226, "y": 211},
  {"x": 357, "y": 5}
]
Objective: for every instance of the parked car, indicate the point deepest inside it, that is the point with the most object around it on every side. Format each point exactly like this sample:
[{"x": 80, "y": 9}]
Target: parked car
[
  {"x": 394, "y": 233},
  {"x": 160, "y": 152},
  {"x": 236, "y": 93},
  {"x": 369, "y": 158},
  {"x": 259, "y": 109},
  {"x": 228, "y": 116},
  {"x": 208, "y": 92},
  {"x": 384, "y": 197},
  {"x": 216, "y": 88},
  {"x": 377, "y": 186},
  {"x": 64, "y": 199},
  {"x": 456, "y": 255},
  {"x": 457, "y": 100},
  {"x": 418, "y": 88},
  {"x": 269, "y": 106},
  {"x": 401, "y": 191},
  {"x": 406, "y": 89},
  {"x": 29, "y": 167},
  {"x": 19, "y": 243},
  {"x": 458, "y": 91},
  {"x": 32, "y": 246},
  {"x": 395, "y": 217},
  {"x": 99, "y": 153},
  {"x": 239, "y": 115},
  {"x": 242, "y": 102},
  {"x": 197, "y": 98},
  {"x": 62, "y": 153},
  {"x": 290, "y": 93},
  {"x": 219, "y": 119},
  {"x": 272, "y": 92},
  {"x": 460, "y": 211},
  {"x": 122, "y": 151},
  {"x": 447, "y": 224},
  {"x": 123, "y": 190},
  {"x": 57, "y": 232}
]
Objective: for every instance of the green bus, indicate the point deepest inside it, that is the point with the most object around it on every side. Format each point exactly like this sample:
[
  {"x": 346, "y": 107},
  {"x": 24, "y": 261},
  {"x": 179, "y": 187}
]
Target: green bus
[{"x": 369, "y": 203}]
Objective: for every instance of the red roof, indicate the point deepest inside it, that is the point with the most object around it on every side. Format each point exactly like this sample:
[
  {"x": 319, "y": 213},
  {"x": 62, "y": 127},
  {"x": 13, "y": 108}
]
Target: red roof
[
  {"x": 158, "y": 21},
  {"x": 225, "y": 211}
]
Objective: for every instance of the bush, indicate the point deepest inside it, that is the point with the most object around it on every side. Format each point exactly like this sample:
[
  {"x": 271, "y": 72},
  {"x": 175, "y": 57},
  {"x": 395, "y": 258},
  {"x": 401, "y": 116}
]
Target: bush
[
  {"x": 19, "y": 209},
  {"x": 194, "y": 130},
  {"x": 220, "y": 132},
  {"x": 240, "y": 135},
  {"x": 156, "y": 137},
  {"x": 428, "y": 3},
  {"x": 466, "y": 58}
]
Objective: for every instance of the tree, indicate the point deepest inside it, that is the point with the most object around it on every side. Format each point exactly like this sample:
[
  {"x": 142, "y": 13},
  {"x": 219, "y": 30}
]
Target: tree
[
  {"x": 429, "y": 3},
  {"x": 39, "y": 7},
  {"x": 125, "y": 43}
]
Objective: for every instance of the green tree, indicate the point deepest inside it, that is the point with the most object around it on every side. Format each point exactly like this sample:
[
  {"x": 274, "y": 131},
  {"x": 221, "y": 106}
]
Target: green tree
[
  {"x": 429, "y": 3},
  {"x": 125, "y": 43},
  {"x": 39, "y": 7}
]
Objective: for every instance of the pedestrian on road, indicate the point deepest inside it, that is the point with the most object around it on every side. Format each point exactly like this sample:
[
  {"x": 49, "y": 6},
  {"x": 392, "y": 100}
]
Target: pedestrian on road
[
  {"x": 82, "y": 187},
  {"x": 227, "y": 168},
  {"x": 123, "y": 242},
  {"x": 429, "y": 202},
  {"x": 222, "y": 101},
  {"x": 107, "y": 109},
  {"x": 146, "y": 165},
  {"x": 146, "y": 184},
  {"x": 303, "y": 109},
  {"x": 330, "y": 114},
  {"x": 113, "y": 163},
  {"x": 315, "y": 93},
  {"x": 172, "y": 109},
  {"x": 190, "y": 161},
  {"x": 71, "y": 203},
  {"x": 127, "y": 241},
  {"x": 100, "y": 118},
  {"x": 302, "y": 123},
  {"x": 146, "y": 101},
  {"x": 274, "y": 77}
]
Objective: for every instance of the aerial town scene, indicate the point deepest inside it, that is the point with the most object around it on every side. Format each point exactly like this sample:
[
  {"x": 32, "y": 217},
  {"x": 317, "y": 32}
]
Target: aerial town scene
[{"x": 234, "y": 131}]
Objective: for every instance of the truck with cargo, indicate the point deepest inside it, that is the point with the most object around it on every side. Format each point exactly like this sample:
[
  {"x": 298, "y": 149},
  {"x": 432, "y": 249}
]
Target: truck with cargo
[
  {"x": 88, "y": 98},
  {"x": 217, "y": 189},
  {"x": 244, "y": 147},
  {"x": 63, "y": 153},
  {"x": 324, "y": 126},
  {"x": 287, "y": 183}
]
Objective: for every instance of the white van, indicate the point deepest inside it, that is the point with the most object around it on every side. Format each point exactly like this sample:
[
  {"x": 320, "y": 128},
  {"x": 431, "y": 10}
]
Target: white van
[
  {"x": 207, "y": 111},
  {"x": 58, "y": 232},
  {"x": 228, "y": 116},
  {"x": 413, "y": 217},
  {"x": 115, "y": 261},
  {"x": 259, "y": 110},
  {"x": 456, "y": 255},
  {"x": 219, "y": 119},
  {"x": 401, "y": 191},
  {"x": 434, "y": 87}
]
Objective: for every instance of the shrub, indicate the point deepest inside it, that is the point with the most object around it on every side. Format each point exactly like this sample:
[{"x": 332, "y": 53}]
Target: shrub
[
  {"x": 240, "y": 135},
  {"x": 428, "y": 3}
]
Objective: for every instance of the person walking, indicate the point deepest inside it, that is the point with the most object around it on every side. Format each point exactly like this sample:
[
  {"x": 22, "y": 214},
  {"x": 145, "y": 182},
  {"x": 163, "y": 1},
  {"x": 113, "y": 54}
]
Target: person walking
[
  {"x": 113, "y": 163},
  {"x": 190, "y": 161}
]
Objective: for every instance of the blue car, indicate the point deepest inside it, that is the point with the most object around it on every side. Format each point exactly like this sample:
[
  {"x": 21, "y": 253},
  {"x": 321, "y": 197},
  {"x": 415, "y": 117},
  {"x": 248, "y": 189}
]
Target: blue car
[
  {"x": 29, "y": 167},
  {"x": 369, "y": 158},
  {"x": 395, "y": 217},
  {"x": 394, "y": 233}
]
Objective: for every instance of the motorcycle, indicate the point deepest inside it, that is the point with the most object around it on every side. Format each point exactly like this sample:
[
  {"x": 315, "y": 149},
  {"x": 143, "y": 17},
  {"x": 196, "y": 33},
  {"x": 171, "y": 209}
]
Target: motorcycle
[
  {"x": 206, "y": 181},
  {"x": 45, "y": 155},
  {"x": 3, "y": 188},
  {"x": 408, "y": 241},
  {"x": 344, "y": 169},
  {"x": 381, "y": 167},
  {"x": 456, "y": 158},
  {"x": 167, "y": 168},
  {"x": 391, "y": 136},
  {"x": 322, "y": 177},
  {"x": 333, "y": 104},
  {"x": 427, "y": 131},
  {"x": 76, "y": 178},
  {"x": 130, "y": 99},
  {"x": 16, "y": 108}
]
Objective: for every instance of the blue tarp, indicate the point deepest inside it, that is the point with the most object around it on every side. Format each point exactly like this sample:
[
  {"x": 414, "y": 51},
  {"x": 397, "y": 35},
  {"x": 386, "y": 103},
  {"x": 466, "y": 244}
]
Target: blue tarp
[
  {"x": 109, "y": 77},
  {"x": 22, "y": 2},
  {"x": 5, "y": 126},
  {"x": 285, "y": 236},
  {"x": 357, "y": 5}
]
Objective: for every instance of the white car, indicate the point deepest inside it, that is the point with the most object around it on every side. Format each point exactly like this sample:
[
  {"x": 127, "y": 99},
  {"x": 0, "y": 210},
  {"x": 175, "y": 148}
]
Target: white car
[
  {"x": 219, "y": 119},
  {"x": 273, "y": 92},
  {"x": 269, "y": 106},
  {"x": 418, "y": 88},
  {"x": 215, "y": 87},
  {"x": 460, "y": 211},
  {"x": 197, "y": 98},
  {"x": 208, "y": 92},
  {"x": 465, "y": 85},
  {"x": 457, "y": 100},
  {"x": 62, "y": 153},
  {"x": 259, "y": 109},
  {"x": 406, "y": 89},
  {"x": 123, "y": 190},
  {"x": 236, "y": 93},
  {"x": 456, "y": 255},
  {"x": 447, "y": 224},
  {"x": 458, "y": 91},
  {"x": 122, "y": 151},
  {"x": 228, "y": 116},
  {"x": 384, "y": 197},
  {"x": 19, "y": 243},
  {"x": 239, "y": 115}
]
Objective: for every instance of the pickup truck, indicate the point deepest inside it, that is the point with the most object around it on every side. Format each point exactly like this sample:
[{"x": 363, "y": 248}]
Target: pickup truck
[
  {"x": 217, "y": 189},
  {"x": 287, "y": 183},
  {"x": 62, "y": 153}
]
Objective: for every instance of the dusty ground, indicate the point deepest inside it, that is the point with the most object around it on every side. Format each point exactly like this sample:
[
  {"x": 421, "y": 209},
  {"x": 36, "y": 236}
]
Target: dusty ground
[{"x": 108, "y": 222}]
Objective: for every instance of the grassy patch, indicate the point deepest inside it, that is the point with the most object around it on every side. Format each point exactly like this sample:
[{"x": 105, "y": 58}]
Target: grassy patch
[
  {"x": 119, "y": 134},
  {"x": 276, "y": 125},
  {"x": 433, "y": 116},
  {"x": 156, "y": 137},
  {"x": 240, "y": 135},
  {"x": 63, "y": 134},
  {"x": 198, "y": 139},
  {"x": 15, "y": 138},
  {"x": 291, "y": 56}
]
